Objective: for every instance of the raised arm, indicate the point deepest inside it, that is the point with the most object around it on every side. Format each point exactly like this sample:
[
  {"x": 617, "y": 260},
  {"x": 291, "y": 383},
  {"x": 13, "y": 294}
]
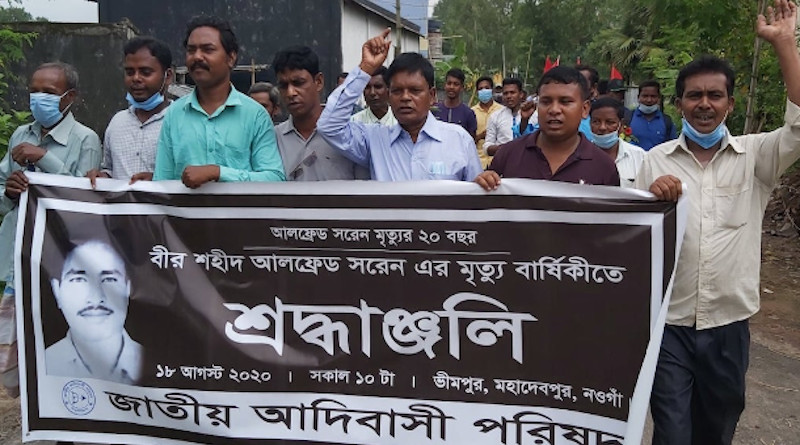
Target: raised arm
[
  {"x": 334, "y": 124},
  {"x": 778, "y": 28}
]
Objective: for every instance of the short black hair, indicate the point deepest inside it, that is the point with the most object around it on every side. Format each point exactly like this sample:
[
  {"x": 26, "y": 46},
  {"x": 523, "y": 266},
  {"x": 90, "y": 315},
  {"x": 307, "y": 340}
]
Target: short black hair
[
  {"x": 705, "y": 64},
  {"x": 565, "y": 75},
  {"x": 297, "y": 58},
  {"x": 602, "y": 86},
  {"x": 457, "y": 73},
  {"x": 343, "y": 75},
  {"x": 650, "y": 84},
  {"x": 513, "y": 81},
  {"x": 381, "y": 71},
  {"x": 226, "y": 35},
  {"x": 593, "y": 74},
  {"x": 484, "y": 79},
  {"x": 608, "y": 102},
  {"x": 157, "y": 48},
  {"x": 411, "y": 63}
]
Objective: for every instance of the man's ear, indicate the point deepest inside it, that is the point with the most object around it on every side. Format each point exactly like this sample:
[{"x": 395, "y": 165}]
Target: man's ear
[
  {"x": 433, "y": 96},
  {"x": 55, "y": 285},
  {"x": 128, "y": 288},
  {"x": 587, "y": 105},
  {"x": 168, "y": 77},
  {"x": 232, "y": 59},
  {"x": 731, "y": 104},
  {"x": 319, "y": 81}
]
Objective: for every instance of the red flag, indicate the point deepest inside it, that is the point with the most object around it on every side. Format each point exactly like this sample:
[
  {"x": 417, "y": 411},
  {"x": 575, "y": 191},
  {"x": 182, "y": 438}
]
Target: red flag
[
  {"x": 547, "y": 64},
  {"x": 615, "y": 74}
]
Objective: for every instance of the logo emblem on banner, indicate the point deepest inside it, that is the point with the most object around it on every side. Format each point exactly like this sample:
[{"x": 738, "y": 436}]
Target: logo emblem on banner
[{"x": 78, "y": 397}]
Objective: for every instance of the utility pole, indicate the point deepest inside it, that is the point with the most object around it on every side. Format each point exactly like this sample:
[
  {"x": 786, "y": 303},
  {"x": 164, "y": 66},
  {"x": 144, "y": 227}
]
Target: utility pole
[
  {"x": 750, "y": 121},
  {"x": 398, "y": 25}
]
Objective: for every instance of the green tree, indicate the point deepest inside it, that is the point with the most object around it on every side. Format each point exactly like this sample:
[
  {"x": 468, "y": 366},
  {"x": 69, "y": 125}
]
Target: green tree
[
  {"x": 483, "y": 27},
  {"x": 12, "y": 45}
]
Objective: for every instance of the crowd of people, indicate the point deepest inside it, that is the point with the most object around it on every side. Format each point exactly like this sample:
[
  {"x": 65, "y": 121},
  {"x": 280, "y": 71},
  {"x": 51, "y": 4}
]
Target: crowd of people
[{"x": 565, "y": 131}]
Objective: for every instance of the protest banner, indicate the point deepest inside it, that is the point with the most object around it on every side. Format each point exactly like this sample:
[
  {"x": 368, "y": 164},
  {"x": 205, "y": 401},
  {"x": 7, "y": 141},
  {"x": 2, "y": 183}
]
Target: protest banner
[{"x": 340, "y": 312}]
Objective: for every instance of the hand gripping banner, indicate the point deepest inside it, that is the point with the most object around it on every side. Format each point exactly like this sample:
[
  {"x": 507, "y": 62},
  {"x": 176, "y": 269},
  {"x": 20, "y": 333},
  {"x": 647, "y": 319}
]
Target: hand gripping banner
[{"x": 340, "y": 312}]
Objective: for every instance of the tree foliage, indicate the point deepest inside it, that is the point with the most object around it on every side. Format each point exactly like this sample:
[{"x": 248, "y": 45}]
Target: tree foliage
[
  {"x": 12, "y": 45},
  {"x": 643, "y": 38}
]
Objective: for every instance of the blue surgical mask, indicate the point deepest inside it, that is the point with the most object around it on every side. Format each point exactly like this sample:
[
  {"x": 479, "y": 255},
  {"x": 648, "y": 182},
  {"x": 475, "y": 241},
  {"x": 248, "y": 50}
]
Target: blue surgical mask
[
  {"x": 147, "y": 105},
  {"x": 605, "y": 141},
  {"x": 705, "y": 140},
  {"x": 45, "y": 108},
  {"x": 648, "y": 109},
  {"x": 151, "y": 102},
  {"x": 485, "y": 95}
]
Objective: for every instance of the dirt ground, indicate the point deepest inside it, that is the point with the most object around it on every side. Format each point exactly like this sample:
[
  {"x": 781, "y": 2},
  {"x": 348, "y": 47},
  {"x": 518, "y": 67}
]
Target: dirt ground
[{"x": 772, "y": 415}]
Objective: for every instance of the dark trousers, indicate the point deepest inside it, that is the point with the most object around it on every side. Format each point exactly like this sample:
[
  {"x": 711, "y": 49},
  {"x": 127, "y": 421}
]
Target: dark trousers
[{"x": 698, "y": 391}]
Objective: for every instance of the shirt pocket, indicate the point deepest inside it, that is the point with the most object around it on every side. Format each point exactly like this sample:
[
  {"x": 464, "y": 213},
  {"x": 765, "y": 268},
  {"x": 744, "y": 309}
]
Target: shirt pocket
[
  {"x": 732, "y": 206},
  {"x": 434, "y": 169}
]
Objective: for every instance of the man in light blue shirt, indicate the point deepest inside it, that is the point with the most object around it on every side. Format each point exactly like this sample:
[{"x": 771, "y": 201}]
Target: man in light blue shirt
[
  {"x": 54, "y": 143},
  {"x": 418, "y": 146},
  {"x": 216, "y": 133}
]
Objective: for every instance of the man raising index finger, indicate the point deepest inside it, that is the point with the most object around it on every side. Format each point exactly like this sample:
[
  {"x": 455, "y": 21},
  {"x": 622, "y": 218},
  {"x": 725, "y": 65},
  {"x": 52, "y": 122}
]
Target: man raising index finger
[{"x": 418, "y": 146}]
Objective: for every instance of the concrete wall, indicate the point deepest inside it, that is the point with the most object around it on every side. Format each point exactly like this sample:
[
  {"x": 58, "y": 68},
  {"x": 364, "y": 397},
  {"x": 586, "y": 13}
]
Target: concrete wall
[
  {"x": 358, "y": 25},
  {"x": 262, "y": 27},
  {"x": 95, "y": 51}
]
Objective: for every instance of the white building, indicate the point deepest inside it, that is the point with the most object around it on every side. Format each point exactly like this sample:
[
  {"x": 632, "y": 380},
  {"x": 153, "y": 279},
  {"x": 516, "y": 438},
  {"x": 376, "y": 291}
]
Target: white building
[{"x": 362, "y": 20}]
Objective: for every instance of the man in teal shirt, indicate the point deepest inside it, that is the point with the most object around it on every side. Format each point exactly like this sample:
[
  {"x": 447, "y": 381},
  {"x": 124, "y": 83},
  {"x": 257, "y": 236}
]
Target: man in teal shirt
[
  {"x": 54, "y": 143},
  {"x": 216, "y": 133}
]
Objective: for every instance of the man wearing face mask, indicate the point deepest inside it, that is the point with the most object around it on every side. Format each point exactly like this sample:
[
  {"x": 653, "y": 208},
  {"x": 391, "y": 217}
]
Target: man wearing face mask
[
  {"x": 54, "y": 143},
  {"x": 699, "y": 387},
  {"x": 649, "y": 125},
  {"x": 132, "y": 135},
  {"x": 483, "y": 109},
  {"x": 605, "y": 118}
]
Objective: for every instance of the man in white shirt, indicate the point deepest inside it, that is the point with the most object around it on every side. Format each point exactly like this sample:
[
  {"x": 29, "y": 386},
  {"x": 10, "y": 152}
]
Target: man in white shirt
[
  {"x": 93, "y": 291},
  {"x": 699, "y": 388},
  {"x": 512, "y": 121},
  {"x": 605, "y": 118},
  {"x": 376, "y": 95}
]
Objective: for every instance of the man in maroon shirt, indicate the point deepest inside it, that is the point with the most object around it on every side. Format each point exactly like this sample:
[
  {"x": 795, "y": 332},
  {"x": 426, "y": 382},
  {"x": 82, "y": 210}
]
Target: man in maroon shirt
[{"x": 557, "y": 151}]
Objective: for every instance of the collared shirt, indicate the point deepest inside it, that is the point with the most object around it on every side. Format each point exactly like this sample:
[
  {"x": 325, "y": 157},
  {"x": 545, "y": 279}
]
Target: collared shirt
[
  {"x": 313, "y": 159},
  {"x": 461, "y": 115},
  {"x": 63, "y": 359},
  {"x": 366, "y": 116},
  {"x": 442, "y": 150},
  {"x": 650, "y": 132},
  {"x": 72, "y": 149},
  {"x": 503, "y": 126},
  {"x": 482, "y": 117},
  {"x": 238, "y": 137},
  {"x": 129, "y": 146},
  {"x": 717, "y": 277},
  {"x": 522, "y": 158},
  {"x": 629, "y": 160}
]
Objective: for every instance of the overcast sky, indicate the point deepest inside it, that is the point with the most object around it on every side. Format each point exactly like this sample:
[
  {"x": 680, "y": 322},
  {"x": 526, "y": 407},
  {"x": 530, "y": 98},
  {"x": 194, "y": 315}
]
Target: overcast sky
[{"x": 62, "y": 10}]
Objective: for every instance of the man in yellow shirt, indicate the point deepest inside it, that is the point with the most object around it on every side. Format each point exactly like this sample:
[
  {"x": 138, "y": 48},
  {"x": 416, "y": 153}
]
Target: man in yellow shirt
[{"x": 485, "y": 107}]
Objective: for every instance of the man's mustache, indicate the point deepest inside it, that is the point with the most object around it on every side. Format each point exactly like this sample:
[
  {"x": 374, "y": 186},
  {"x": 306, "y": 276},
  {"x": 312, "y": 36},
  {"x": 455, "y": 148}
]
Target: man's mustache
[
  {"x": 199, "y": 64},
  {"x": 97, "y": 309}
]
